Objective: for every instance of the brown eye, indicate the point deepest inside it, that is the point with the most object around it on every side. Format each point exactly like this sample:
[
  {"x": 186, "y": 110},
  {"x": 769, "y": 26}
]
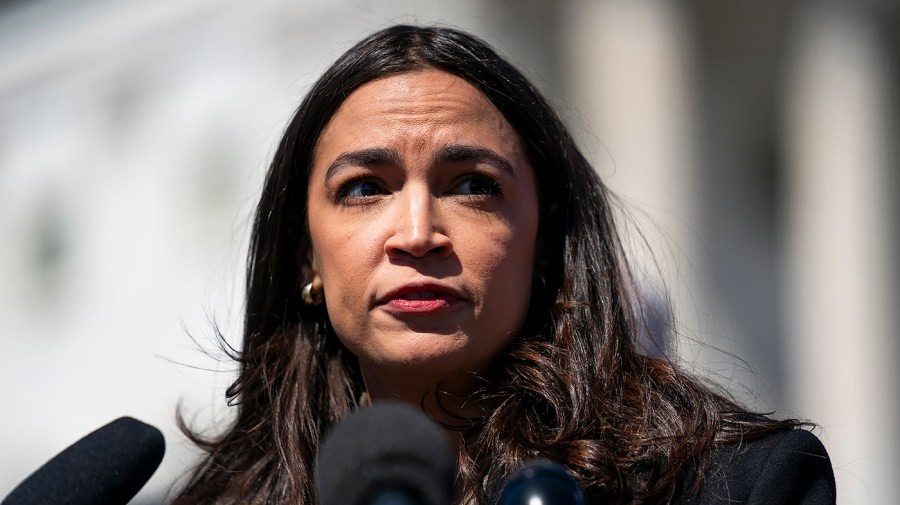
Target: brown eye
[
  {"x": 478, "y": 185},
  {"x": 359, "y": 189}
]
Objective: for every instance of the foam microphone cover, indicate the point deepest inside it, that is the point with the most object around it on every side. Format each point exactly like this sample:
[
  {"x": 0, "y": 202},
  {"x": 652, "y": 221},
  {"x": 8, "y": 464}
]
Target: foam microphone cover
[
  {"x": 544, "y": 482},
  {"x": 108, "y": 466},
  {"x": 391, "y": 452}
]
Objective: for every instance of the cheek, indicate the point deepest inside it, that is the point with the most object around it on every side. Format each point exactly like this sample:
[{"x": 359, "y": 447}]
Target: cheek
[
  {"x": 505, "y": 261},
  {"x": 347, "y": 259},
  {"x": 518, "y": 266},
  {"x": 343, "y": 249}
]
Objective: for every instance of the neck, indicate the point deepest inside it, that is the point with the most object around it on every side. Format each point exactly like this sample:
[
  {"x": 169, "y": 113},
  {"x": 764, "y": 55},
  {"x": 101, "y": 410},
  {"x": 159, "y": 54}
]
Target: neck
[{"x": 449, "y": 401}]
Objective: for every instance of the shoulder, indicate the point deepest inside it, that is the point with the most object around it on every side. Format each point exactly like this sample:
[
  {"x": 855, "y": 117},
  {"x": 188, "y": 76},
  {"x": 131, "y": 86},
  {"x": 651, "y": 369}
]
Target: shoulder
[{"x": 788, "y": 467}]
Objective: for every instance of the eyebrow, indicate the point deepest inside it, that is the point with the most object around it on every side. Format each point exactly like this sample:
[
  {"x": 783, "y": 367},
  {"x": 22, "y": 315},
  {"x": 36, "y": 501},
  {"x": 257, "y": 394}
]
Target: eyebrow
[
  {"x": 451, "y": 153},
  {"x": 459, "y": 153},
  {"x": 364, "y": 158}
]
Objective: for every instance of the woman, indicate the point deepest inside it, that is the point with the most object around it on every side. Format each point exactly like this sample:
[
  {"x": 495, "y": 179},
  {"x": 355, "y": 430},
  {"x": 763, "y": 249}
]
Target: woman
[{"x": 429, "y": 231}]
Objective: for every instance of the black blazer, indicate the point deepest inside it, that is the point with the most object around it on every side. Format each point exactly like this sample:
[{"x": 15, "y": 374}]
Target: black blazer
[{"x": 786, "y": 468}]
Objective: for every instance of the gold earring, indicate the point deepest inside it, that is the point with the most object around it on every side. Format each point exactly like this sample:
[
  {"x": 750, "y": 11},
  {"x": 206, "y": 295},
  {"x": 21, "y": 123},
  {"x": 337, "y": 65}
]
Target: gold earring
[{"x": 309, "y": 297}]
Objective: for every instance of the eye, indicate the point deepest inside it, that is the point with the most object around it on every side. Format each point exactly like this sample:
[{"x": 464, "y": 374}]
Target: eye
[
  {"x": 478, "y": 185},
  {"x": 358, "y": 190}
]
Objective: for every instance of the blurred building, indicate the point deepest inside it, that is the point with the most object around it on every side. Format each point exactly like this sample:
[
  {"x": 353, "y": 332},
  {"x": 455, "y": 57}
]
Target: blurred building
[{"x": 754, "y": 143}]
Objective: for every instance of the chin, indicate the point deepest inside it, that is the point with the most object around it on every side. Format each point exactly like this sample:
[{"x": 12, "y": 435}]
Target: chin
[{"x": 436, "y": 363}]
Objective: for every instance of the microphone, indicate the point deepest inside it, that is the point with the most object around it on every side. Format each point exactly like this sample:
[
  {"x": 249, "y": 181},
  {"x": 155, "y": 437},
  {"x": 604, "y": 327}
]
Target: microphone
[
  {"x": 541, "y": 482},
  {"x": 387, "y": 454},
  {"x": 108, "y": 466}
]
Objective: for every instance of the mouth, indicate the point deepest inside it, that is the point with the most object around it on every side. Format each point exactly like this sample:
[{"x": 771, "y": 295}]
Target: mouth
[{"x": 420, "y": 299}]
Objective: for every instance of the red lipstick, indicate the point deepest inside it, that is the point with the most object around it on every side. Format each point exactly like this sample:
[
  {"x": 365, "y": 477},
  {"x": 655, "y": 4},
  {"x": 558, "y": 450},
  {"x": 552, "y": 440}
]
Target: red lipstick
[{"x": 420, "y": 298}]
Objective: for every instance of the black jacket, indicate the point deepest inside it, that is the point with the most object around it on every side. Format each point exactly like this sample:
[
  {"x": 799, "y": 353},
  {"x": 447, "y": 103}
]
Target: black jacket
[{"x": 786, "y": 468}]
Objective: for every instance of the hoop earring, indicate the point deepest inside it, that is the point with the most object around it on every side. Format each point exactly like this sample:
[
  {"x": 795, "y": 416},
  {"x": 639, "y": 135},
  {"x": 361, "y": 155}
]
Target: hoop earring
[{"x": 309, "y": 297}]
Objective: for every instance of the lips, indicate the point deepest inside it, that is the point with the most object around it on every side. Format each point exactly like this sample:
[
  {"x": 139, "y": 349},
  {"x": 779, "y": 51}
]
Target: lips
[{"x": 420, "y": 298}]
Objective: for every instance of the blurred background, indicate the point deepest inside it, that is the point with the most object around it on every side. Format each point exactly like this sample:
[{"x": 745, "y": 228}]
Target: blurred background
[{"x": 754, "y": 143}]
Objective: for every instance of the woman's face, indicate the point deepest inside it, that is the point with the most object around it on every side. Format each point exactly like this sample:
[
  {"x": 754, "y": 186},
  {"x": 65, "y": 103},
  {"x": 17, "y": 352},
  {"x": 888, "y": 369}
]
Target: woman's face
[{"x": 423, "y": 219}]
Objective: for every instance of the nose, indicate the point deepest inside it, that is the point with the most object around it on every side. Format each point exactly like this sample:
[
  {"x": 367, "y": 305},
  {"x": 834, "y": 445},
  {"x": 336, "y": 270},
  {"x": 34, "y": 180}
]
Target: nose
[{"x": 418, "y": 229}]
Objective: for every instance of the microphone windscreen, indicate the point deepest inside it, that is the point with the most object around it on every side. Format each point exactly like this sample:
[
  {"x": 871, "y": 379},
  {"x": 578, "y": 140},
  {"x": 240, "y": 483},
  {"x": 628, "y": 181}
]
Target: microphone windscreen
[
  {"x": 541, "y": 481},
  {"x": 388, "y": 450},
  {"x": 108, "y": 466}
]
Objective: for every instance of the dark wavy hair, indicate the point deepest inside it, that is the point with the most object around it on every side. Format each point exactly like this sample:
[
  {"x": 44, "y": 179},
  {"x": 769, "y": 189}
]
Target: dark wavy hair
[{"x": 574, "y": 388}]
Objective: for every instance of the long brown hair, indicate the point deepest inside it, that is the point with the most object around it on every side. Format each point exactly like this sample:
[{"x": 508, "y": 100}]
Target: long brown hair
[{"x": 574, "y": 387}]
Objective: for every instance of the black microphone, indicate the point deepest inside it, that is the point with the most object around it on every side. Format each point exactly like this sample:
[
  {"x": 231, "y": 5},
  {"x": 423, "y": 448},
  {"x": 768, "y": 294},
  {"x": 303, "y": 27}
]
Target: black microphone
[
  {"x": 108, "y": 466},
  {"x": 390, "y": 453},
  {"x": 541, "y": 482}
]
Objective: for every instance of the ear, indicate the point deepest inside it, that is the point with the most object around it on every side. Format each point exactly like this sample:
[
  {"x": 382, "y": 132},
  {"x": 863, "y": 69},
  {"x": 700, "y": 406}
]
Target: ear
[{"x": 309, "y": 270}]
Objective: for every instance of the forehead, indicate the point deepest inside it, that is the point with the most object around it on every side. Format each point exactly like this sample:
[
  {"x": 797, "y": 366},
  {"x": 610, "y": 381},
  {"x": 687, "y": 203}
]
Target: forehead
[
  {"x": 422, "y": 107},
  {"x": 419, "y": 92}
]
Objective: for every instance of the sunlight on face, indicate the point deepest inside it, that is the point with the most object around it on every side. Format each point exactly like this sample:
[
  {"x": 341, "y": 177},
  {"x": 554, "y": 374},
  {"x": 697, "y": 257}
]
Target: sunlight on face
[{"x": 423, "y": 218}]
